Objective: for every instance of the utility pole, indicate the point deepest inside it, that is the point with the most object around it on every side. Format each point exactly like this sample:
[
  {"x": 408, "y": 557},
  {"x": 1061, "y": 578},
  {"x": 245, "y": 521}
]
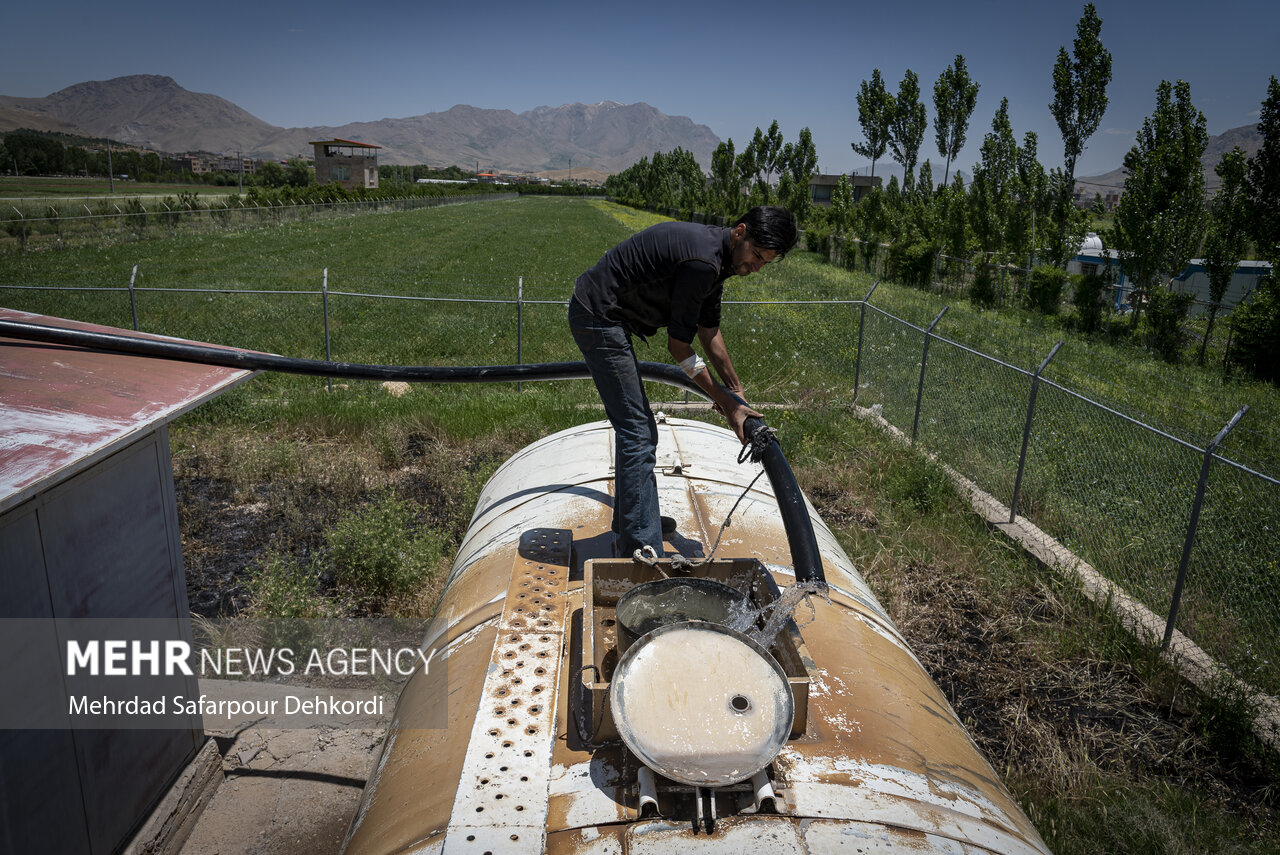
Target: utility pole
[
  {"x": 241, "y": 178},
  {"x": 111, "y": 172}
]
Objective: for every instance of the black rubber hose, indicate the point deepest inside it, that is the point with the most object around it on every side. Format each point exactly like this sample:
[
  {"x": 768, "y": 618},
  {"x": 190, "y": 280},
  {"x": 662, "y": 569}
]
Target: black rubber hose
[
  {"x": 248, "y": 360},
  {"x": 798, "y": 526},
  {"x": 796, "y": 522}
]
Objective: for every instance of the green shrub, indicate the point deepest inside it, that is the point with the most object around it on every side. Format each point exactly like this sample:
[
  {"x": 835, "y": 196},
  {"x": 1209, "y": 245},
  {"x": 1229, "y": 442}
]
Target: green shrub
[
  {"x": 912, "y": 263},
  {"x": 871, "y": 250},
  {"x": 1044, "y": 289},
  {"x": 920, "y": 484},
  {"x": 818, "y": 239},
  {"x": 1089, "y": 297},
  {"x": 136, "y": 216},
  {"x": 16, "y": 226},
  {"x": 983, "y": 290},
  {"x": 284, "y": 588},
  {"x": 1255, "y": 345},
  {"x": 854, "y": 254},
  {"x": 380, "y": 551},
  {"x": 1166, "y": 313}
]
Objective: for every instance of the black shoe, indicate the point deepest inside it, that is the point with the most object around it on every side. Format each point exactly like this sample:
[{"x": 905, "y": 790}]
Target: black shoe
[{"x": 668, "y": 525}]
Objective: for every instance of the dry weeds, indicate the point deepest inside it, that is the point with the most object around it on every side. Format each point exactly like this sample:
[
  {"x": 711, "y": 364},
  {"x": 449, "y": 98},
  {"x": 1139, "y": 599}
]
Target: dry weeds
[{"x": 242, "y": 493}]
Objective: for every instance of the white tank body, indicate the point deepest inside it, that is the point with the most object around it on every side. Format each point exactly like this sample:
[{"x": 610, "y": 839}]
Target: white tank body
[{"x": 504, "y": 744}]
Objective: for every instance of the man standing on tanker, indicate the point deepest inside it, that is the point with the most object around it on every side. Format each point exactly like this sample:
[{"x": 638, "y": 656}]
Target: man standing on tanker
[{"x": 669, "y": 275}]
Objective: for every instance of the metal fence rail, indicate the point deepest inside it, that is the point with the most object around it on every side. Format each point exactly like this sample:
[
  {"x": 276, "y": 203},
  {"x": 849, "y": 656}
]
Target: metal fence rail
[{"x": 1191, "y": 533}]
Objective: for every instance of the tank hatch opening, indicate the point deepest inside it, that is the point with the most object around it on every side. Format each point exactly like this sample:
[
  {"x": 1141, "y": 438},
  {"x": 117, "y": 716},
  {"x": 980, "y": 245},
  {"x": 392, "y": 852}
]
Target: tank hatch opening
[{"x": 725, "y": 629}]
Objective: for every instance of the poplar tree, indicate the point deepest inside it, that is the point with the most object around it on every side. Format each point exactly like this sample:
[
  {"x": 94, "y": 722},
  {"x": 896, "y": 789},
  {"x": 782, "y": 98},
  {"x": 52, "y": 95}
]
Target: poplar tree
[
  {"x": 1160, "y": 218},
  {"x": 745, "y": 164},
  {"x": 766, "y": 155},
  {"x": 725, "y": 187},
  {"x": 954, "y": 97},
  {"x": 991, "y": 192},
  {"x": 1031, "y": 192},
  {"x": 875, "y": 112},
  {"x": 1263, "y": 179},
  {"x": 1224, "y": 240},
  {"x": 1080, "y": 89},
  {"x": 799, "y": 162},
  {"x": 907, "y": 127},
  {"x": 1079, "y": 101},
  {"x": 842, "y": 205}
]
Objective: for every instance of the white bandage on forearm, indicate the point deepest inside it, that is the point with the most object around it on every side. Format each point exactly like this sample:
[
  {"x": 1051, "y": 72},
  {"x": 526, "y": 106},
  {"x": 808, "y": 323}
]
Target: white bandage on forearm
[{"x": 693, "y": 365}]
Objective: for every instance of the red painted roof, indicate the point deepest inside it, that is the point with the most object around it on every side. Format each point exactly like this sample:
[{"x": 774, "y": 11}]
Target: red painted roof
[{"x": 62, "y": 407}]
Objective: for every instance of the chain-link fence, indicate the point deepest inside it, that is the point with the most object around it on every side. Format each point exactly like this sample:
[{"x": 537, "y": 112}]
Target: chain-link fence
[
  {"x": 1006, "y": 284},
  {"x": 1142, "y": 506}
]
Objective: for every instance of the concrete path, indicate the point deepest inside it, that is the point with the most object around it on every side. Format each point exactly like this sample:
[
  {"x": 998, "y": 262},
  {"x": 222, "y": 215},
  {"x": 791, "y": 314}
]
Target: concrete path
[{"x": 288, "y": 790}]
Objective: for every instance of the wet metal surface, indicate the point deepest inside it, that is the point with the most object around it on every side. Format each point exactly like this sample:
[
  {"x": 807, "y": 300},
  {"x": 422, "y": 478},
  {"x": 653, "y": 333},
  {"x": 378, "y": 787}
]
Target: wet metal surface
[
  {"x": 882, "y": 764},
  {"x": 501, "y": 804},
  {"x": 62, "y": 407}
]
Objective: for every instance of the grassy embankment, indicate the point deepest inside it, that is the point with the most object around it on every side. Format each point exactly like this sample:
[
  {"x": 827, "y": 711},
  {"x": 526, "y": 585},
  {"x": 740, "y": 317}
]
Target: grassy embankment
[{"x": 291, "y": 497}]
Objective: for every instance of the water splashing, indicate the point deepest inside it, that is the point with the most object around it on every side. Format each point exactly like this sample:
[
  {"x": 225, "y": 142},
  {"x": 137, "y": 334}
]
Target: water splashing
[{"x": 762, "y": 625}]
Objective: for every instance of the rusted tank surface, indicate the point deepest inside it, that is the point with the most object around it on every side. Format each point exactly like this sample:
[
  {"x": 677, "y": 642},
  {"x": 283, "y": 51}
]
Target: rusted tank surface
[{"x": 503, "y": 744}]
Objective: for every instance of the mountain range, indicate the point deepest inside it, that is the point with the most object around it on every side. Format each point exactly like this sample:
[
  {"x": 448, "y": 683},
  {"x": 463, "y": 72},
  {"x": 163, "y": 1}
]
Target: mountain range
[{"x": 154, "y": 112}]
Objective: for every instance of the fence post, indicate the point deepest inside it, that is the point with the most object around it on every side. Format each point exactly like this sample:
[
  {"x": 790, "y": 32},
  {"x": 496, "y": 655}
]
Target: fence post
[
  {"x": 519, "y": 327},
  {"x": 1026, "y": 431},
  {"x": 862, "y": 321},
  {"x": 133, "y": 300},
  {"x": 22, "y": 228},
  {"x": 324, "y": 300},
  {"x": 1195, "y": 521},
  {"x": 924, "y": 360}
]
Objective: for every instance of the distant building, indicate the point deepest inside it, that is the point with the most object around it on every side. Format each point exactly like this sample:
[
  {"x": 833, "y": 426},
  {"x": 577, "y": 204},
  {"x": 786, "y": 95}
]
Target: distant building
[
  {"x": 202, "y": 162},
  {"x": 351, "y": 164},
  {"x": 1195, "y": 281},
  {"x": 1091, "y": 259},
  {"x": 1085, "y": 195},
  {"x": 821, "y": 186}
]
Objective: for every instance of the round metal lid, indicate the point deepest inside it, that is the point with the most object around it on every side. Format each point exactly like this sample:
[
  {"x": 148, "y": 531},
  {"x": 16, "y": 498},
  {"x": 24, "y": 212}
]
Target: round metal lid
[{"x": 701, "y": 704}]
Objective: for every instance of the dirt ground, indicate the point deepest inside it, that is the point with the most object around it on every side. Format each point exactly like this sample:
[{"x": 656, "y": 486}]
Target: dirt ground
[{"x": 287, "y": 791}]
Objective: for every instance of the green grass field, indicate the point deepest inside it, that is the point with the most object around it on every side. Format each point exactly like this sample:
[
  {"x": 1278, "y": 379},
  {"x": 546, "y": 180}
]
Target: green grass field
[
  {"x": 23, "y": 187},
  {"x": 36, "y": 187},
  {"x": 1112, "y": 490}
]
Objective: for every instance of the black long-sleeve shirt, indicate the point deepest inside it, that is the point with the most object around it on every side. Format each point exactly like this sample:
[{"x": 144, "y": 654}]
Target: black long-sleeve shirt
[{"x": 669, "y": 275}]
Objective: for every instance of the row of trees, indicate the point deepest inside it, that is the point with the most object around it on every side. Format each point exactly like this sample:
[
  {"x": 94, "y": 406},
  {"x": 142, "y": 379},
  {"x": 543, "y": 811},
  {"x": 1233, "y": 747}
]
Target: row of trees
[
  {"x": 27, "y": 152},
  {"x": 769, "y": 170},
  {"x": 1010, "y": 194},
  {"x": 1013, "y": 210}
]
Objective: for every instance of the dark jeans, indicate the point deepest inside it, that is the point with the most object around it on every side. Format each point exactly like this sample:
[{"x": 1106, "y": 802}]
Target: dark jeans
[{"x": 612, "y": 362}]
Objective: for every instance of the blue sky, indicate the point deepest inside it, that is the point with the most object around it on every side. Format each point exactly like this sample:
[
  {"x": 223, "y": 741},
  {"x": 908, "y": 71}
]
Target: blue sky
[{"x": 732, "y": 67}]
